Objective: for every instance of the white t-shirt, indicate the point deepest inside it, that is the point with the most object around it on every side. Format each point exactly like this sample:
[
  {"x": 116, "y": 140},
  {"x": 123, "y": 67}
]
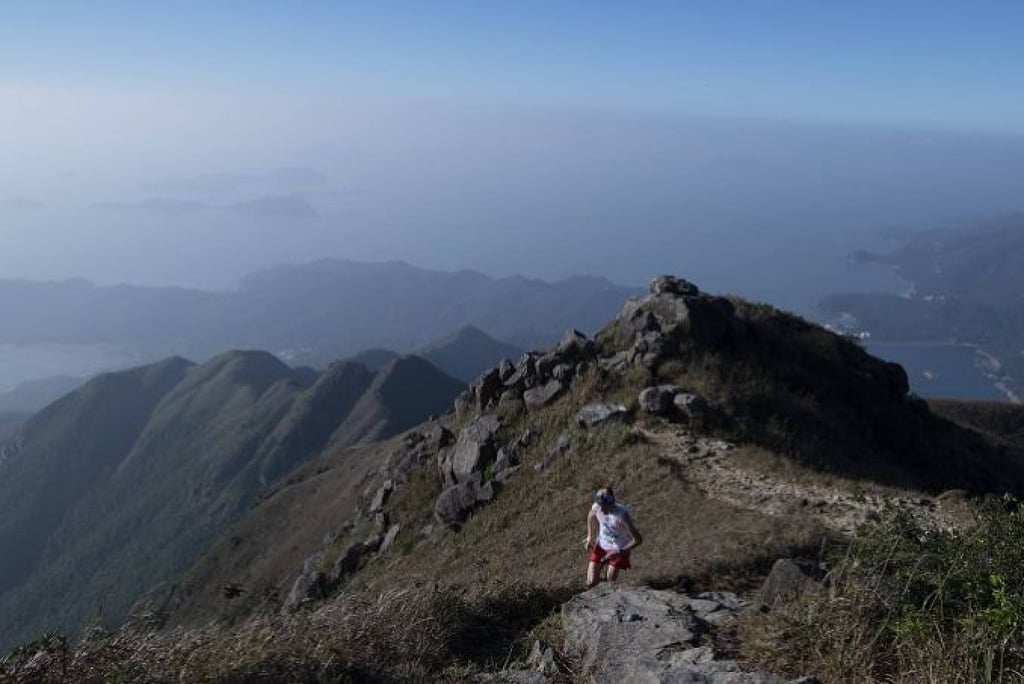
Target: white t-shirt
[{"x": 613, "y": 532}]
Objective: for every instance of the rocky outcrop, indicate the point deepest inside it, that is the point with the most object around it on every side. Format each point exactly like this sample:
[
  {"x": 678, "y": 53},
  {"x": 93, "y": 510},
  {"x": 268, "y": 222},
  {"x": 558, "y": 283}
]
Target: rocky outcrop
[
  {"x": 537, "y": 379},
  {"x": 637, "y": 634},
  {"x": 653, "y": 329}
]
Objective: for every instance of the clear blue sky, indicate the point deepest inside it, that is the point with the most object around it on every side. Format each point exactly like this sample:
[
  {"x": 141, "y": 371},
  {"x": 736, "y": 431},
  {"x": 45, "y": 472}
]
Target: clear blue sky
[{"x": 953, "y": 64}]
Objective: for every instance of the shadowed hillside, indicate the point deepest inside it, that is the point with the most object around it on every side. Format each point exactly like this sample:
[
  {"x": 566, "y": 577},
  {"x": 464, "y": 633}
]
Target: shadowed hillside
[{"x": 119, "y": 486}]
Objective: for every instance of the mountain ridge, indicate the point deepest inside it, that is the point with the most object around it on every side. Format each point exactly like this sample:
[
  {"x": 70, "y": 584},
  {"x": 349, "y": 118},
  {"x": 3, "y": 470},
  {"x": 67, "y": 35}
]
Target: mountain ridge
[{"x": 107, "y": 499}]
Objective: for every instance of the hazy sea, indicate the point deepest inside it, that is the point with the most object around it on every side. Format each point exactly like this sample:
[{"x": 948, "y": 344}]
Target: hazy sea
[
  {"x": 941, "y": 371},
  {"x": 19, "y": 363}
]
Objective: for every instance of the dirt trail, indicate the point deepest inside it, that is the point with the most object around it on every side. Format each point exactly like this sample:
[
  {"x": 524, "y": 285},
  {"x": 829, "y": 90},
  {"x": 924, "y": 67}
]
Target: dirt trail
[{"x": 842, "y": 505}]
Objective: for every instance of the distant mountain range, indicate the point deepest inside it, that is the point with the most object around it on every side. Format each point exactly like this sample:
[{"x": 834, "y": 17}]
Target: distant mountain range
[
  {"x": 463, "y": 354},
  {"x": 120, "y": 485},
  {"x": 323, "y": 311}
]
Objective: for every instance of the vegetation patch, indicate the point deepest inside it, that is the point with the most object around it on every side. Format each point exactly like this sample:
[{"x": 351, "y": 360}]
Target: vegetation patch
[{"x": 908, "y": 604}]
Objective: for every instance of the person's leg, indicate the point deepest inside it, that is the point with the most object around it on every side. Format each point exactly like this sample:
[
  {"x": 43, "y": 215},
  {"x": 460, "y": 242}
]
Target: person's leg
[
  {"x": 592, "y": 570},
  {"x": 613, "y": 573}
]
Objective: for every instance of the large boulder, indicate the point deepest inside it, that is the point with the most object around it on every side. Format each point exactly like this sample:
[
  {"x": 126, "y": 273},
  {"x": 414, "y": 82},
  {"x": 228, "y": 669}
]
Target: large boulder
[
  {"x": 638, "y": 634},
  {"x": 455, "y": 503},
  {"x": 474, "y": 450}
]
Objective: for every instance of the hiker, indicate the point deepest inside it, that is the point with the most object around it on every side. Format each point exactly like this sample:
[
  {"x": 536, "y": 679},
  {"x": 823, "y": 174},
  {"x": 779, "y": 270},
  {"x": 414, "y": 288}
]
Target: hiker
[{"x": 611, "y": 535}]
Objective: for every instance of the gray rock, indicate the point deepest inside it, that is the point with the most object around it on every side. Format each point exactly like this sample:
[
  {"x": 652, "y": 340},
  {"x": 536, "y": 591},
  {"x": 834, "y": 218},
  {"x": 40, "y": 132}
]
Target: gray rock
[
  {"x": 502, "y": 475},
  {"x": 372, "y": 543},
  {"x": 667, "y": 284},
  {"x": 615, "y": 628},
  {"x": 546, "y": 364},
  {"x": 638, "y": 634},
  {"x": 575, "y": 346},
  {"x": 474, "y": 450},
  {"x": 690, "y": 405},
  {"x": 390, "y": 537},
  {"x": 487, "y": 389},
  {"x": 658, "y": 400},
  {"x": 677, "y": 309},
  {"x": 455, "y": 503},
  {"x": 307, "y": 585},
  {"x": 563, "y": 372},
  {"x": 616, "y": 363},
  {"x": 523, "y": 441},
  {"x": 542, "y": 658},
  {"x": 347, "y": 563},
  {"x": 790, "y": 579},
  {"x": 544, "y": 395},
  {"x": 439, "y": 437},
  {"x": 381, "y": 497},
  {"x": 505, "y": 369},
  {"x": 595, "y": 414}
]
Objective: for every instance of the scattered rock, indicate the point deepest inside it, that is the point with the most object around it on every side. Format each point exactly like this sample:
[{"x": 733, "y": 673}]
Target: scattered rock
[
  {"x": 595, "y": 414},
  {"x": 542, "y": 658},
  {"x": 658, "y": 400},
  {"x": 524, "y": 441},
  {"x": 307, "y": 584},
  {"x": 348, "y": 562},
  {"x": 790, "y": 579},
  {"x": 455, "y": 503},
  {"x": 390, "y": 537},
  {"x": 543, "y": 395},
  {"x": 381, "y": 497},
  {"x": 575, "y": 347},
  {"x": 690, "y": 405}
]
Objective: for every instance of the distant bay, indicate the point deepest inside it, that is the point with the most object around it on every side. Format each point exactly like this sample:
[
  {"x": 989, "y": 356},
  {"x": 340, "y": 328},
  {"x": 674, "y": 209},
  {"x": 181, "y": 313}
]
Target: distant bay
[{"x": 942, "y": 370}]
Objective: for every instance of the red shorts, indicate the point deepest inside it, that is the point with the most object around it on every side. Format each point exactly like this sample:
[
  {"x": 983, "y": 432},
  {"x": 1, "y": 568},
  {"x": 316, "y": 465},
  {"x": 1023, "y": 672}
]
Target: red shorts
[{"x": 618, "y": 560}]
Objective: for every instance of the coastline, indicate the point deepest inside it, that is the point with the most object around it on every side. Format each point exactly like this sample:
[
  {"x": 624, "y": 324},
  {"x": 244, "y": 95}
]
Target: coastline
[{"x": 988, "y": 364}]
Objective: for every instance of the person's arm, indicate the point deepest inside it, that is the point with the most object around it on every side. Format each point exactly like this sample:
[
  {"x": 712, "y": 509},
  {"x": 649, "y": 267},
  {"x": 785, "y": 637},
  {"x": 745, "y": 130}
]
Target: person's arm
[
  {"x": 638, "y": 538},
  {"x": 591, "y": 529}
]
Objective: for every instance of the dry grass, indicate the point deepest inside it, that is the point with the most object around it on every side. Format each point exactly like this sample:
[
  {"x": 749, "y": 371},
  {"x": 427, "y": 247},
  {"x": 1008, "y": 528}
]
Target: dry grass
[{"x": 413, "y": 634}]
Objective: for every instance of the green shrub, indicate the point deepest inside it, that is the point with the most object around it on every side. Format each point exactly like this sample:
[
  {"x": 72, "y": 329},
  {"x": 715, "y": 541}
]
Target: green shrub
[{"x": 910, "y": 604}]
